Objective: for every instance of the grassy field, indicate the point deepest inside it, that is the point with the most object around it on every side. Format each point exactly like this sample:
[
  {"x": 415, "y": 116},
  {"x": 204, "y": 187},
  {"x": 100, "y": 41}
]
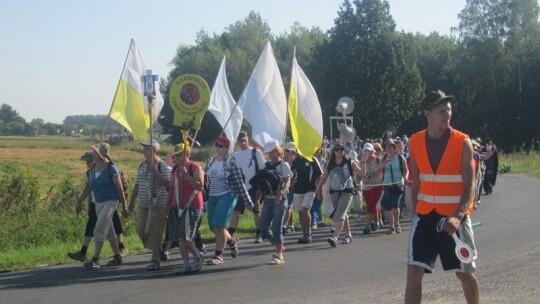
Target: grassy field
[
  {"x": 44, "y": 230},
  {"x": 41, "y": 178}
]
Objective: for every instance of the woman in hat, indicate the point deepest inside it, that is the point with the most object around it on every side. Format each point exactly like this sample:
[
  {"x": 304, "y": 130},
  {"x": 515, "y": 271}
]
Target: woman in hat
[
  {"x": 371, "y": 185},
  {"x": 395, "y": 170},
  {"x": 106, "y": 187},
  {"x": 186, "y": 207},
  {"x": 340, "y": 169},
  {"x": 226, "y": 184},
  {"x": 151, "y": 190},
  {"x": 275, "y": 205},
  {"x": 92, "y": 219}
]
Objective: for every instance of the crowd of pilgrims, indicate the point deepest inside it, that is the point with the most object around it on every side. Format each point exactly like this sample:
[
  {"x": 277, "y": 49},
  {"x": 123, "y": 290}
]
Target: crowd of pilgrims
[{"x": 367, "y": 177}]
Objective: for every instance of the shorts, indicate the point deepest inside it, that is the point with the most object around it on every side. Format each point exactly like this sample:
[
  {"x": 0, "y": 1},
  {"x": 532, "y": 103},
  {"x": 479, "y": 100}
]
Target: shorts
[
  {"x": 303, "y": 200},
  {"x": 241, "y": 207},
  {"x": 219, "y": 210},
  {"x": 389, "y": 199},
  {"x": 177, "y": 225},
  {"x": 372, "y": 196},
  {"x": 425, "y": 244}
]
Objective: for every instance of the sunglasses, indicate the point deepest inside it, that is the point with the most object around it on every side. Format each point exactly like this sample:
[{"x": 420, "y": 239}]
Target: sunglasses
[{"x": 218, "y": 146}]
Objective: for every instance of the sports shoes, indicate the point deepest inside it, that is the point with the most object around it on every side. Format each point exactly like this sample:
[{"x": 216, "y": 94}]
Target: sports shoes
[
  {"x": 332, "y": 241},
  {"x": 347, "y": 240},
  {"x": 391, "y": 231},
  {"x": 290, "y": 229},
  {"x": 77, "y": 256},
  {"x": 397, "y": 228},
  {"x": 116, "y": 261},
  {"x": 314, "y": 227},
  {"x": 92, "y": 264},
  {"x": 306, "y": 239},
  {"x": 276, "y": 260},
  {"x": 123, "y": 251},
  {"x": 374, "y": 227},
  {"x": 366, "y": 230},
  {"x": 258, "y": 238}
]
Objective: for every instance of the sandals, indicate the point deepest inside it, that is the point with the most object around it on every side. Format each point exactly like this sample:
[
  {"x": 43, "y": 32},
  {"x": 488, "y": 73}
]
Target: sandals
[
  {"x": 215, "y": 260},
  {"x": 153, "y": 266},
  {"x": 347, "y": 240},
  {"x": 397, "y": 228},
  {"x": 197, "y": 263},
  {"x": 182, "y": 270},
  {"x": 234, "y": 248}
]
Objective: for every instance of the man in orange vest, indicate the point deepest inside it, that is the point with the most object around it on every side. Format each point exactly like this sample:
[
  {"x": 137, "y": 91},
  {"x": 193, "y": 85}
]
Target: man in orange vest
[{"x": 443, "y": 187}]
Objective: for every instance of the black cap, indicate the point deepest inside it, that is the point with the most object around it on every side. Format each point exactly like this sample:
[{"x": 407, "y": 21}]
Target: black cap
[{"x": 435, "y": 98}]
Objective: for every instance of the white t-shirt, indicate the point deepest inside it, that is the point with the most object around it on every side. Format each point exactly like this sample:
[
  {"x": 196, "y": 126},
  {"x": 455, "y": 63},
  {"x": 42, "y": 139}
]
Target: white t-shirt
[
  {"x": 218, "y": 181},
  {"x": 247, "y": 164}
]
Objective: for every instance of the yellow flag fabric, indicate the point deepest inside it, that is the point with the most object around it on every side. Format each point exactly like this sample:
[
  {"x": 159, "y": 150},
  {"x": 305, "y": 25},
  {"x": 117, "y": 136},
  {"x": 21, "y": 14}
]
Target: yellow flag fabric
[
  {"x": 129, "y": 107},
  {"x": 305, "y": 113}
]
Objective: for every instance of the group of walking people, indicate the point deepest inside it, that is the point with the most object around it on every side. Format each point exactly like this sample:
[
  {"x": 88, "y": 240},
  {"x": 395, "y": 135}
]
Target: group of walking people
[{"x": 440, "y": 178}]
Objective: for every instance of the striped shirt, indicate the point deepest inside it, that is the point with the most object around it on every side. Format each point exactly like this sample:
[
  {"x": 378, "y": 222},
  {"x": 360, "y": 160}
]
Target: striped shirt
[{"x": 144, "y": 180}]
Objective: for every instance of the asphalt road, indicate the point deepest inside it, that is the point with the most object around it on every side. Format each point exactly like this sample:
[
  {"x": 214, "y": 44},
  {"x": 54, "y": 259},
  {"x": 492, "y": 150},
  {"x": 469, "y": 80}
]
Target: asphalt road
[{"x": 372, "y": 269}]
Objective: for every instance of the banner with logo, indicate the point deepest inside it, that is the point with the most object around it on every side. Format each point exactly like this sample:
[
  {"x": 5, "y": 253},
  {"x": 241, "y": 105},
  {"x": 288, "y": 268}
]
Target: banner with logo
[{"x": 189, "y": 97}]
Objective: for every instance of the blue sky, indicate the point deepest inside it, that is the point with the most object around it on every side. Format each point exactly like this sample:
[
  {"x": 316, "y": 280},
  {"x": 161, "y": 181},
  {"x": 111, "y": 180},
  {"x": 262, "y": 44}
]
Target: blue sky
[{"x": 62, "y": 57}]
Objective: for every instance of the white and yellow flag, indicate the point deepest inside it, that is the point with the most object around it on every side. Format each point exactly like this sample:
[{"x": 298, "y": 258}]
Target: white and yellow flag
[
  {"x": 305, "y": 113},
  {"x": 129, "y": 106}
]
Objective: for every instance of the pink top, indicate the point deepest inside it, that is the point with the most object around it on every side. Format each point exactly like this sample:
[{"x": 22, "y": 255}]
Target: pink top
[{"x": 197, "y": 202}]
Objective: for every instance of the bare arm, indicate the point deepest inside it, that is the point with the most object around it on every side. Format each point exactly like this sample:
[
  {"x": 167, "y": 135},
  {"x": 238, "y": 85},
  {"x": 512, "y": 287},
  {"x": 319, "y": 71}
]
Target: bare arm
[
  {"x": 134, "y": 195},
  {"x": 118, "y": 183},
  {"x": 415, "y": 187},
  {"x": 405, "y": 169},
  {"x": 83, "y": 196},
  {"x": 468, "y": 176}
]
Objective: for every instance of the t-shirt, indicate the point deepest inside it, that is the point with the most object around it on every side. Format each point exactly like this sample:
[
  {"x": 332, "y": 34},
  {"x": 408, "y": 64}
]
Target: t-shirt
[
  {"x": 392, "y": 171},
  {"x": 373, "y": 174},
  {"x": 103, "y": 187},
  {"x": 244, "y": 159},
  {"x": 185, "y": 190},
  {"x": 306, "y": 174},
  {"x": 218, "y": 180},
  {"x": 284, "y": 170},
  {"x": 144, "y": 180}
]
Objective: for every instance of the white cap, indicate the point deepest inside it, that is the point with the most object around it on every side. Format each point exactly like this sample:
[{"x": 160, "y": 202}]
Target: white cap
[
  {"x": 368, "y": 147},
  {"x": 270, "y": 145},
  {"x": 290, "y": 146},
  {"x": 154, "y": 143}
]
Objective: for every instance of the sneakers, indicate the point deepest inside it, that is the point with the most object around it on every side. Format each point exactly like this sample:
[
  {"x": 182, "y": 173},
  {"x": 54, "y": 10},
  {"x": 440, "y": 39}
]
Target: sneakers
[
  {"x": 201, "y": 249},
  {"x": 332, "y": 241},
  {"x": 92, "y": 264},
  {"x": 367, "y": 230},
  {"x": 164, "y": 255},
  {"x": 347, "y": 240},
  {"x": 77, "y": 256},
  {"x": 277, "y": 260},
  {"x": 123, "y": 251},
  {"x": 116, "y": 261},
  {"x": 391, "y": 231},
  {"x": 314, "y": 227},
  {"x": 258, "y": 238},
  {"x": 306, "y": 239},
  {"x": 374, "y": 227},
  {"x": 397, "y": 228}
]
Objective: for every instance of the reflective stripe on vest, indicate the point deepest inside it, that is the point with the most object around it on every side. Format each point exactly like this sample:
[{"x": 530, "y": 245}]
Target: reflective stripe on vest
[
  {"x": 441, "y": 178},
  {"x": 439, "y": 199}
]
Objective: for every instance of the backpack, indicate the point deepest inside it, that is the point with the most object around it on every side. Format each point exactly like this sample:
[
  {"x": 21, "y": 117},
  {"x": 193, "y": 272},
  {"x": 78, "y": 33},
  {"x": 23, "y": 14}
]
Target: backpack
[
  {"x": 338, "y": 179},
  {"x": 267, "y": 181},
  {"x": 254, "y": 159}
]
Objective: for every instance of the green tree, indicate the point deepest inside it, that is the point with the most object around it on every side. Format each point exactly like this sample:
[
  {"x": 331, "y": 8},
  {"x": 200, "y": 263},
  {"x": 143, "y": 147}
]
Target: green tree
[{"x": 367, "y": 60}]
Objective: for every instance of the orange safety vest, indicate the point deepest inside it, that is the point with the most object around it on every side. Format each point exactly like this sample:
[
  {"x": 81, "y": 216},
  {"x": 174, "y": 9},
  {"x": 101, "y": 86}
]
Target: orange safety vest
[{"x": 440, "y": 191}]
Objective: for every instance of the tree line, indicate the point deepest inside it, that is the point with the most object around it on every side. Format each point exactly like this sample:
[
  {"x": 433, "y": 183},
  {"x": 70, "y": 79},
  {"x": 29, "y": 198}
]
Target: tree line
[{"x": 490, "y": 63}]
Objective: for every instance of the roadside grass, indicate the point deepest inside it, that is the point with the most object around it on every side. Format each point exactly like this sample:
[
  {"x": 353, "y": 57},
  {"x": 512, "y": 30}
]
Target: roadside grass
[{"x": 523, "y": 162}]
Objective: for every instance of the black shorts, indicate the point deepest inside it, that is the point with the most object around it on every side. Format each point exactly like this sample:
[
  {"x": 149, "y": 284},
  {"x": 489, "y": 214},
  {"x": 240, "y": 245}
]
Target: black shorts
[
  {"x": 425, "y": 244},
  {"x": 240, "y": 206}
]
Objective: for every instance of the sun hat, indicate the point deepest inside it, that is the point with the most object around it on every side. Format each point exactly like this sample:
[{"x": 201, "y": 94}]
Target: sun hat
[
  {"x": 102, "y": 149},
  {"x": 224, "y": 141},
  {"x": 179, "y": 148},
  {"x": 154, "y": 143},
  {"x": 270, "y": 145},
  {"x": 291, "y": 146},
  {"x": 391, "y": 142},
  {"x": 368, "y": 147},
  {"x": 435, "y": 98}
]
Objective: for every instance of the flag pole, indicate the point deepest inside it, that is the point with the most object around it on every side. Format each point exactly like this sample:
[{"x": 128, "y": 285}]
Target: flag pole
[
  {"x": 290, "y": 86},
  {"x": 152, "y": 184},
  {"x": 119, "y": 80}
]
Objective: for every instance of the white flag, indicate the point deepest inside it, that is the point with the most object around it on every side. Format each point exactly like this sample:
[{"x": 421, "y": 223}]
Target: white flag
[
  {"x": 264, "y": 102},
  {"x": 222, "y": 104}
]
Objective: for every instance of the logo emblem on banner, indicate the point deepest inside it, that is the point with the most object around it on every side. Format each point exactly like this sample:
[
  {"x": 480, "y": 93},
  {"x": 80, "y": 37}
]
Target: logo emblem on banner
[{"x": 190, "y": 97}]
